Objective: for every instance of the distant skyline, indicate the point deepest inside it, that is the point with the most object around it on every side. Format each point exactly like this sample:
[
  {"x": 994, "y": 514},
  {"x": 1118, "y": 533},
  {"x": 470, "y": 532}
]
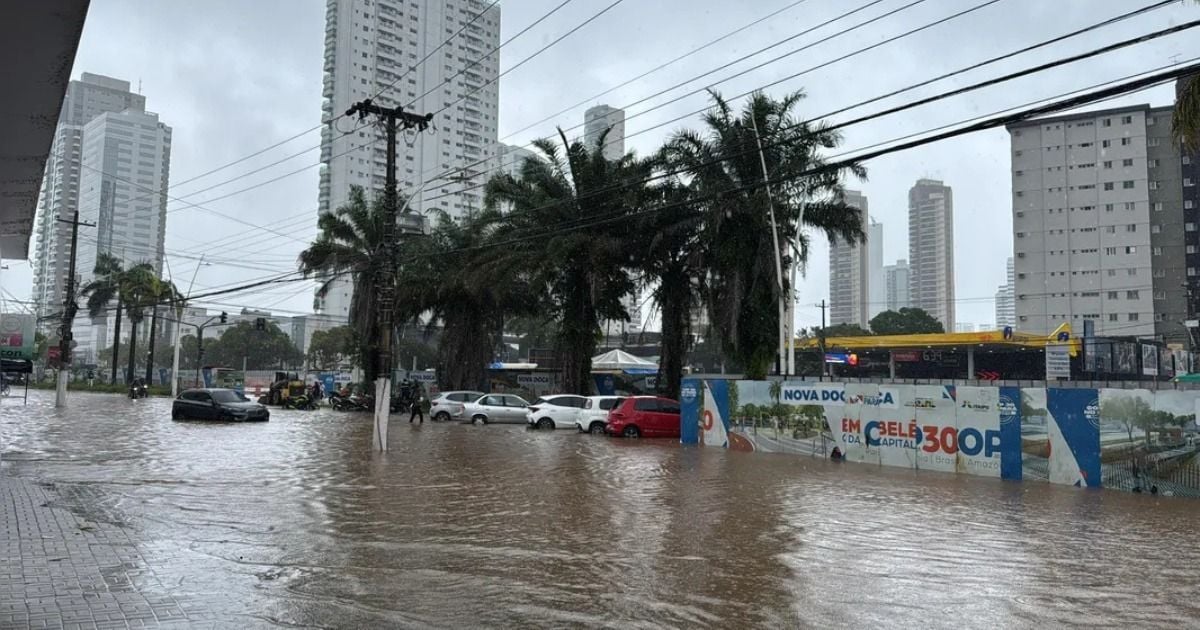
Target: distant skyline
[{"x": 230, "y": 92}]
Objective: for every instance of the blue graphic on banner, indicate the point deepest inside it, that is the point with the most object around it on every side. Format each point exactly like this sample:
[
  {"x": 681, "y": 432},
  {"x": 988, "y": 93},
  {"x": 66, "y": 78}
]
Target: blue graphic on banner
[
  {"x": 1010, "y": 433},
  {"x": 163, "y": 376},
  {"x": 206, "y": 375},
  {"x": 1076, "y": 412},
  {"x": 691, "y": 398},
  {"x": 720, "y": 394},
  {"x": 606, "y": 385}
]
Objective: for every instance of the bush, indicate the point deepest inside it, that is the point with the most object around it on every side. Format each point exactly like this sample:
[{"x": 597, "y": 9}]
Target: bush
[{"x": 101, "y": 388}]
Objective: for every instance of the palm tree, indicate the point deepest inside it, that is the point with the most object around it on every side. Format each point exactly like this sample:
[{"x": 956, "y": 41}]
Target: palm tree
[
  {"x": 161, "y": 291},
  {"x": 352, "y": 242},
  {"x": 137, "y": 290},
  {"x": 583, "y": 273},
  {"x": 725, "y": 175},
  {"x": 103, "y": 289},
  {"x": 1186, "y": 119},
  {"x": 443, "y": 279}
]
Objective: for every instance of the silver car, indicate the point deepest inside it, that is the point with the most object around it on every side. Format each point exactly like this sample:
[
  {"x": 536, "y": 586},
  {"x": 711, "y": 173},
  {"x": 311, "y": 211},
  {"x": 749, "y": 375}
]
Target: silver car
[
  {"x": 451, "y": 405},
  {"x": 496, "y": 409}
]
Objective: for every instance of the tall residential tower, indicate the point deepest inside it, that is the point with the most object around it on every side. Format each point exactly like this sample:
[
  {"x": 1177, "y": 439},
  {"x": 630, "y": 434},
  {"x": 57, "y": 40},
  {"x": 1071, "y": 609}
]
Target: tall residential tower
[
  {"x": 377, "y": 50},
  {"x": 931, "y": 249},
  {"x": 849, "y": 274}
]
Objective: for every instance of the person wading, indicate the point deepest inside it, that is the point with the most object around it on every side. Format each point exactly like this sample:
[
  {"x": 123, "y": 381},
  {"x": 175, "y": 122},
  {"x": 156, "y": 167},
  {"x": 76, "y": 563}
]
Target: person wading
[{"x": 420, "y": 405}]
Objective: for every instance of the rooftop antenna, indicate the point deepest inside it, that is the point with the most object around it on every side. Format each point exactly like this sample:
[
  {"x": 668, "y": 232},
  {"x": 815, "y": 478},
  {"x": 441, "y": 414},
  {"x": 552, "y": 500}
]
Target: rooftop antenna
[{"x": 139, "y": 85}]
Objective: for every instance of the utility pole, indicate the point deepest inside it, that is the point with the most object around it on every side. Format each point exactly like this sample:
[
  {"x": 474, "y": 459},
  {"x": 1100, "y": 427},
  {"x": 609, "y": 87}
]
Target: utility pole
[
  {"x": 70, "y": 307},
  {"x": 821, "y": 343},
  {"x": 393, "y": 117},
  {"x": 780, "y": 359}
]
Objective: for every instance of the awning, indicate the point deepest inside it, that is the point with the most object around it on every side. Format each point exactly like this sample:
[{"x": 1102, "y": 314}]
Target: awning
[{"x": 621, "y": 360}]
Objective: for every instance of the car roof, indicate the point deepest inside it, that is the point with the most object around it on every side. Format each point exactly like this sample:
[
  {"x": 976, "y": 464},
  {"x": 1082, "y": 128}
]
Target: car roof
[
  {"x": 460, "y": 391},
  {"x": 209, "y": 389}
]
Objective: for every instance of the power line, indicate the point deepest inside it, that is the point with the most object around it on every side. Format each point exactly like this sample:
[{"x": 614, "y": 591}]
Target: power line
[
  {"x": 487, "y": 54},
  {"x": 1122, "y": 44}
]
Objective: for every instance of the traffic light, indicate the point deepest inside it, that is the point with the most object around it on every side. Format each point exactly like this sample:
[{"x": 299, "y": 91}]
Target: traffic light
[
  {"x": 260, "y": 323},
  {"x": 224, "y": 317}
]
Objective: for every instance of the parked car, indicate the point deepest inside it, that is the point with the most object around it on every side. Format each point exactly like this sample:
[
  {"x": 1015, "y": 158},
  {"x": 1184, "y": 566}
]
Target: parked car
[
  {"x": 594, "y": 414},
  {"x": 496, "y": 409},
  {"x": 449, "y": 405},
  {"x": 644, "y": 416},
  {"x": 217, "y": 404},
  {"x": 555, "y": 412}
]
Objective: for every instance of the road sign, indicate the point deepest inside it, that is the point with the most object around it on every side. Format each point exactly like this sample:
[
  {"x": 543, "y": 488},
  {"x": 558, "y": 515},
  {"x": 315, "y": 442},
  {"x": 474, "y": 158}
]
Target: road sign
[{"x": 1058, "y": 362}]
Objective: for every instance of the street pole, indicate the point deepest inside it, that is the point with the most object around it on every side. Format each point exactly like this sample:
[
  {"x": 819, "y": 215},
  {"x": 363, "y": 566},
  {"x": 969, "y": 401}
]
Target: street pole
[
  {"x": 199, "y": 354},
  {"x": 762, "y": 158},
  {"x": 392, "y": 117},
  {"x": 70, "y": 307},
  {"x": 179, "y": 328},
  {"x": 821, "y": 343}
]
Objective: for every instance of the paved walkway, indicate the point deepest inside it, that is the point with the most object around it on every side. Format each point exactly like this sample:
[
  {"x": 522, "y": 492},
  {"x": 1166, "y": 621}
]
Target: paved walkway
[{"x": 61, "y": 569}]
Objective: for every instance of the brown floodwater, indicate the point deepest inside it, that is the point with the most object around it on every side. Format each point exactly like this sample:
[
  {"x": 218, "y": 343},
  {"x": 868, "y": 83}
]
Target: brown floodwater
[{"x": 297, "y": 522}]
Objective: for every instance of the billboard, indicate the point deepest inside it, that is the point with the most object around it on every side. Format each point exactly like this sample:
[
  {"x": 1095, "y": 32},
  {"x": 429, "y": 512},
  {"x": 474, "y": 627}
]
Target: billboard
[{"x": 17, "y": 336}]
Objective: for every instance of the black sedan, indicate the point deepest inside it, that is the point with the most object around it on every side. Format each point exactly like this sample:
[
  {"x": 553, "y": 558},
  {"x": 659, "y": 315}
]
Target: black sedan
[{"x": 217, "y": 404}]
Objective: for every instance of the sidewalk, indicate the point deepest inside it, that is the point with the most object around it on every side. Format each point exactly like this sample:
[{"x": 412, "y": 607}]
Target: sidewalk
[{"x": 61, "y": 570}]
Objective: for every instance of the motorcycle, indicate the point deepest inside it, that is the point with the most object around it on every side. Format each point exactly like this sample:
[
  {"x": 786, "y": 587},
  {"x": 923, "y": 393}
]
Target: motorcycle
[
  {"x": 138, "y": 390},
  {"x": 300, "y": 401}
]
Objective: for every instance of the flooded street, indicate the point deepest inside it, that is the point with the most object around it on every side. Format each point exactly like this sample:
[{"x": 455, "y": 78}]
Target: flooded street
[{"x": 297, "y": 522}]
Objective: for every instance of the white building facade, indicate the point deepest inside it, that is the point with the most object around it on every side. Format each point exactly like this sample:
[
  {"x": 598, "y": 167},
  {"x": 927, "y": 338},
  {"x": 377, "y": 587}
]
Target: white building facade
[
  {"x": 931, "y": 249},
  {"x": 602, "y": 118},
  {"x": 849, "y": 274},
  {"x": 1082, "y": 222},
  {"x": 876, "y": 281},
  {"x": 895, "y": 278},
  {"x": 1006, "y": 301},
  {"x": 377, "y": 49}
]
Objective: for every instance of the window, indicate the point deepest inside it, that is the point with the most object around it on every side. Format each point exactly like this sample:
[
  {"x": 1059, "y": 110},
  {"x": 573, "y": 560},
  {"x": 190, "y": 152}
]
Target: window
[
  {"x": 1191, "y": 271},
  {"x": 1125, "y": 120},
  {"x": 1112, "y": 295},
  {"x": 1188, "y": 205},
  {"x": 1110, "y": 251},
  {"x": 1127, "y": 184},
  {"x": 646, "y": 404},
  {"x": 1108, "y": 207},
  {"x": 1160, "y": 273},
  {"x": 1112, "y": 273},
  {"x": 1127, "y": 162},
  {"x": 1132, "y": 227},
  {"x": 1149, "y": 163},
  {"x": 1187, "y": 181},
  {"x": 1107, "y": 122},
  {"x": 1190, "y": 249},
  {"x": 1131, "y": 272},
  {"x": 1187, "y": 159},
  {"x": 1150, "y": 120},
  {"x": 1131, "y": 250},
  {"x": 1158, "y": 206},
  {"x": 1133, "y": 317},
  {"x": 1157, "y": 251},
  {"x": 1126, "y": 142},
  {"x": 1110, "y": 229},
  {"x": 1152, "y": 142},
  {"x": 1128, "y": 205},
  {"x": 1105, "y": 143},
  {"x": 1189, "y": 226},
  {"x": 1108, "y": 185},
  {"x": 1020, "y": 193},
  {"x": 1153, "y": 185},
  {"x": 1108, "y": 164},
  {"x": 1131, "y": 295},
  {"x": 1112, "y": 317},
  {"x": 1155, "y": 229}
]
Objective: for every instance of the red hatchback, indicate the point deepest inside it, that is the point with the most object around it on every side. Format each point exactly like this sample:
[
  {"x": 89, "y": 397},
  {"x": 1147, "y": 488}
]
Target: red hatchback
[{"x": 648, "y": 416}]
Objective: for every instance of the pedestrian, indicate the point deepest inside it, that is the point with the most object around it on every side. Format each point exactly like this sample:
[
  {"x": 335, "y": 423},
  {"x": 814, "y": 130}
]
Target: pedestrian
[
  {"x": 419, "y": 406},
  {"x": 317, "y": 394}
]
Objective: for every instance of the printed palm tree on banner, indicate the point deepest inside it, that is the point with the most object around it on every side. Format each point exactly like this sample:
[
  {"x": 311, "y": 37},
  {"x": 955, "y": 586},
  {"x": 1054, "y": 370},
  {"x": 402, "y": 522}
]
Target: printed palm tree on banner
[{"x": 726, "y": 176}]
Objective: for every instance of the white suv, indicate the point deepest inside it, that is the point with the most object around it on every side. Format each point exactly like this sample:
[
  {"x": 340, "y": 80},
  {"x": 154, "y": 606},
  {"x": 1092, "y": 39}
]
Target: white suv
[
  {"x": 555, "y": 412},
  {"x": 594, "y": 415}
]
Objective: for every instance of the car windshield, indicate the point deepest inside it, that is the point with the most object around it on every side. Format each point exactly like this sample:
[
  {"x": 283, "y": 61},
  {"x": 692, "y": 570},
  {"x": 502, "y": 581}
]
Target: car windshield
[
  {"x": 226, "y": 396},
  {"x": 609, "y": 403}
]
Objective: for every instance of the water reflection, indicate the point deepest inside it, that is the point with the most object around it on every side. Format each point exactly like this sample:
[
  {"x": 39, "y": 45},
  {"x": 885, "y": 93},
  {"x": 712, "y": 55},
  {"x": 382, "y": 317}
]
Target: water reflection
[{"x": 296, "y": 521}]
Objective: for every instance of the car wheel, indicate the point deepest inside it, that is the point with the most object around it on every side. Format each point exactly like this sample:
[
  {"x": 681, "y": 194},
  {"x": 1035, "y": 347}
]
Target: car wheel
[
  {"x": 441, "y": 416},
  {"x": 479, "y": 420},
  {"x": 545, "y": 423},
  {"x": 596, "y": 428},
  {"x": 631, "y": 432},
  {"x": 175, "y": 415}
]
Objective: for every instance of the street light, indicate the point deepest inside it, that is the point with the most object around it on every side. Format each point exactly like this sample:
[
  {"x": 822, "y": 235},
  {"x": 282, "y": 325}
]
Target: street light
[{"x": 179, "y": 322}]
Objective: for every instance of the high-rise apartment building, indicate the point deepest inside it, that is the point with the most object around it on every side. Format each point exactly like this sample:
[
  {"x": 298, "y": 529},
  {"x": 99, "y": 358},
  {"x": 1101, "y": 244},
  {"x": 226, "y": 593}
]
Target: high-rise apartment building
[
  {"x": 377, "y": 50},
  {"x": 1099, "y": 227},
  {"x": 896, "y": 289},
  {"x": 596, "y": 121},
  {"x": 849, "y": 274},
  {"x": 964, "y": 327},
  {"x": 1189, "y": 174},
  {"x": 876, "y": 281},
  {"x": 1006, "y": 305},
  {"x": 931, "y": 249},
  {"x": 599, "y": 119},
  {"x": 86, "y": 98}
]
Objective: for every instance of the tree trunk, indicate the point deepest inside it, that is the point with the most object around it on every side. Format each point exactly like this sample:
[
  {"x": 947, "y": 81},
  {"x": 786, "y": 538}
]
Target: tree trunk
[
  {"x": 133, "y": 326},
  {"x": 150, "y": 351},
  {"x": 675, "y": 303},
  {"x": 116, "y": 353},
  {"x": 578, "y": 337}
]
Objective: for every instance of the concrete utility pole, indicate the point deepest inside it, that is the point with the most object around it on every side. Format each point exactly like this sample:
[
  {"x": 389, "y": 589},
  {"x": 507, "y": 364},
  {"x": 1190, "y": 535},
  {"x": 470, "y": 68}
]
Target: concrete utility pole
[
  {"x": 784, "y": 326},
  {"x": 393, "y": 117},
  {"x": 70, "y": 307}
]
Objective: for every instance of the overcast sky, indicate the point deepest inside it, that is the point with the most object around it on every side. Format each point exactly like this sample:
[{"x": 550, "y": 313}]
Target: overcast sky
[{"x": 234, "y": 76}]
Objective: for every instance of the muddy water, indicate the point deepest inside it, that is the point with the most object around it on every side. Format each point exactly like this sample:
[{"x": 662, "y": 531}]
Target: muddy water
[{"x": 297, "y": 522}]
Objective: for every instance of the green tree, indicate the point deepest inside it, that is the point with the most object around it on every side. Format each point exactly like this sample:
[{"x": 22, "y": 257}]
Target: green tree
[
  {"x": 844, "y": 330},
  {"x": 352, "y": 242},
  {"x": 160, "y": 293},
  {"x": 447, "y": 279},
  {"x": 329, "y": 349},
  {"x": 262, "y": 349},
  {"x": 40, "y": 343},
  {"x": 734, "y": 409},
  {"x": 1185, "y": 121},
  {"x": 906, "y": 321},
  {"x": 584, "y": 273},
  {"x": 1131, "y": 412},
  {"x": 742, "y": 292},
  {"x": 127, "y": 287}
]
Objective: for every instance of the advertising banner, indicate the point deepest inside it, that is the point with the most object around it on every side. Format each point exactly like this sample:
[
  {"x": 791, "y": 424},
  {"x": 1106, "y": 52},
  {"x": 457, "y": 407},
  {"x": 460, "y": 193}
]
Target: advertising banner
[
  {"x": 17, "y": 336},
  {"x": 1009, "y": 403},
  {"x": 1074, "y": 436},
  {"x": 1124, "y": 359},
  {"x": 1058, "y": 362},
  {"x": 933, "y": 423},
  {"x": 689, "y": 407},
  {"x": 978, "y": 440},
  {"x": 713, "y": 431},
  {"x": 1149, "y": 360}
]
